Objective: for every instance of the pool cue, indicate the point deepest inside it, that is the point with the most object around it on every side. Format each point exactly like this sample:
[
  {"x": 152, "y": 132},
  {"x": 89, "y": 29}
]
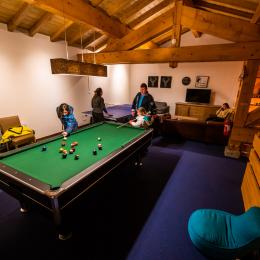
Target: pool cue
[
  {"x": 126, "y": 123},
  {"x": 123, "y": 125}
]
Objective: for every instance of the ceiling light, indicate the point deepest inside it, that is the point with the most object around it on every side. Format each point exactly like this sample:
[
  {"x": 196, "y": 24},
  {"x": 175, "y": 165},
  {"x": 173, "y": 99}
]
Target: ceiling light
[
  {"x": 72, "y": 67},
  {"x": 77, "y": 68}
]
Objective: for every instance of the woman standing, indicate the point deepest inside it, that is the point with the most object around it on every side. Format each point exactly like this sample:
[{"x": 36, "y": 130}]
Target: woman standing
[{"x": 98, "y": 106}]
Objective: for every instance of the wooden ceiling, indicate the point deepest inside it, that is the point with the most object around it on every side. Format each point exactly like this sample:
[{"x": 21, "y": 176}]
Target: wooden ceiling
[{"x": 123, "y": 25}]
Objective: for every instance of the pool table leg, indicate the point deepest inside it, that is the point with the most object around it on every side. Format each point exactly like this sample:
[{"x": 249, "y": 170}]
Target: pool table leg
[
  {"x": 138, "y": 160},
  {"x": 63, "y": 234}
]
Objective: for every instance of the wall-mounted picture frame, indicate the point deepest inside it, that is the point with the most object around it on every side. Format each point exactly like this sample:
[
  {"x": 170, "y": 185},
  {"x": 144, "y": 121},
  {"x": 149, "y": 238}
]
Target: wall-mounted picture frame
[
  {"x": 166, "y": 82},
  {"x": 202, "y": 81},
  {"x": 153, "y": 81}
]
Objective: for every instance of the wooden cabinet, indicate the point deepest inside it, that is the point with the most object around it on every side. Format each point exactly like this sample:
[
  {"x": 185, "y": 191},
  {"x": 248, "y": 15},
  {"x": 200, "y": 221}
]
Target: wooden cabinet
[
  {"x": 199, "y": 111},
  {"x": 251, "y": 181}
]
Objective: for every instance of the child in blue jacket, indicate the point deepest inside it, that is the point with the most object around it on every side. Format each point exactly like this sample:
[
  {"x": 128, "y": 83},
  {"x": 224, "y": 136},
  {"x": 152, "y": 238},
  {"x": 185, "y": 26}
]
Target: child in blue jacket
[{"x": 69, "y": 122}]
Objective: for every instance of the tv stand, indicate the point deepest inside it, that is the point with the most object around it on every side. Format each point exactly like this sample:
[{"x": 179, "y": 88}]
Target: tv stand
[{"x": 196, "y": 110}]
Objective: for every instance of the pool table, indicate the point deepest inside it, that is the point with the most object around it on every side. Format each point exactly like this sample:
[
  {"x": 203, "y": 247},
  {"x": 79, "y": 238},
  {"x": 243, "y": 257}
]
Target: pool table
[{"x": 45, "y": 180}]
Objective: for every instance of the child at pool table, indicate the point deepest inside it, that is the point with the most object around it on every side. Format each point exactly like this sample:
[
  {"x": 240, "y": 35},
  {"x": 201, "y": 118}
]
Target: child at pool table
[
  {"x": 69, "y": 122},
  {"x": 141, "y": 118}
]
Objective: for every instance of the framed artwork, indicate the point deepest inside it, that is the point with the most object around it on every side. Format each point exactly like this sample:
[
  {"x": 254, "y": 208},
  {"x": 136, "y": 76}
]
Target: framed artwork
[
  {"x": 202, "y": 81},
  {"x": 153, "y": 81},
  {"x": 166, "y": 82}
]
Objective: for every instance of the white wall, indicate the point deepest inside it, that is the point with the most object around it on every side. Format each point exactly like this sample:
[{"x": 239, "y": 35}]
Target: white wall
[
  {"x": 28, "y": 88},
  {"x": 115, "y": 86},
  {"x": 223, "y": 76}
]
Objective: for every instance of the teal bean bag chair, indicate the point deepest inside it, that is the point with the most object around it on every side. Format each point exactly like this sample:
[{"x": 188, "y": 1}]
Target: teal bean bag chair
[{"x": 221, "y": 235}]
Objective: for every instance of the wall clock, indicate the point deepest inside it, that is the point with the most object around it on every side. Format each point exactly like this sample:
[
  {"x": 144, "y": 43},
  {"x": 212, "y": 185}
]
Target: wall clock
[{"x": 186, "y": 81}]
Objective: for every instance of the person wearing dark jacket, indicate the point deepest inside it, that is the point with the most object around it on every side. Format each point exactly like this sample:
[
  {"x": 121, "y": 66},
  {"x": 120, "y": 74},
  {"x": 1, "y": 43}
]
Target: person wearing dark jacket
[
  {"x": 145, "y": 100},
  {"x": 98, "y": 106}
]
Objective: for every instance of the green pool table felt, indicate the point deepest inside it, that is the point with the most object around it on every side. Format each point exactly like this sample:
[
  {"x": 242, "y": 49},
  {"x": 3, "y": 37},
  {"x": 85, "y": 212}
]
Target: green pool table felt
[{"x": 49, "y": 166}]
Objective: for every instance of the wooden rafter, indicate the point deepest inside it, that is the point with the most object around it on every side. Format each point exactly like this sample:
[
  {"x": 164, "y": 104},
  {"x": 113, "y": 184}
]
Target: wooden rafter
[
  {"x": 91, "y": 39},
  {"x": 165, "y": 37},
  {"x": 245, "y": 93},
  {"x": 76, "y": 10},
  {"x": 132, "y": 8},
  {"x": 97, "y": 43},
  {"x": 176, "y": 29},
  {"x": 190, "y": 3},
  {"x": 215, "y": 24},
  {"x": 143, "y": 34},
  {"x": 83, "y": 28},
  {"x": 229, "y": 11},
  {"x": 148, "y": 45},
  {"x": 253, "y": 117},
  {"x": 60, "y": 31},
  {"x": 96, "y": 2},
  {"x": 245, "y": 6},
  {"x": 40, "y": 23},
  {"x": 136, "y": 19},
  {"x": 100, "y": 45},
  {"x": 18, "y": 17},
  {"x": 256, "y": 15},
  {"x": 228, "y": 28},
  {"x": 112, "y": 7},
  {"x": 204, "y": 53}
]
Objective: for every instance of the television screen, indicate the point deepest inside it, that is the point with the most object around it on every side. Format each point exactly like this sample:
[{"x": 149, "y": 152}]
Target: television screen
[{"x": 198, "y": 95}]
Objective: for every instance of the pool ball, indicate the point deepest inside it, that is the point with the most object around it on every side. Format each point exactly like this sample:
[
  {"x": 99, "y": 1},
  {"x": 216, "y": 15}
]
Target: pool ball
[
  {"x": 64, "y": 155},
  {"x": 61, "y": 150},
  {"x": 100, "y": 146},
  {"x": 74, "y": 144},
  {"x": 99, "y": 138},
  {"x": 64, "y": 151},
  {"x": 44, "y": 148},
  {"x": 76, "y": 157},
  {"x": 65, "y": 138},
  {"x": 72, "y": 151},
  {"x": 94, "y": 152},
  {"x": 63, "y": 143}
]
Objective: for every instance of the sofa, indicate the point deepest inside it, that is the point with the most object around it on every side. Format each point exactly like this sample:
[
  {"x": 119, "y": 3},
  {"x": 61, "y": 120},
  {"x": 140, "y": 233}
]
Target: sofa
[
  {"x": 197, "y": 130},
  {"x": 162, "y": 107}
]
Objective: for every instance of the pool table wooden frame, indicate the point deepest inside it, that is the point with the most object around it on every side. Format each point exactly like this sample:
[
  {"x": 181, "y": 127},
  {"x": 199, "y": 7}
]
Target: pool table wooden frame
[{"x": 33, "y": 193}]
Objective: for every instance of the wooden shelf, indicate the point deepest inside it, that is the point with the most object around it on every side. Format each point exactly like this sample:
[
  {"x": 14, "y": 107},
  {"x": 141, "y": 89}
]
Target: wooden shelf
[{"x": 199, "y": 111}]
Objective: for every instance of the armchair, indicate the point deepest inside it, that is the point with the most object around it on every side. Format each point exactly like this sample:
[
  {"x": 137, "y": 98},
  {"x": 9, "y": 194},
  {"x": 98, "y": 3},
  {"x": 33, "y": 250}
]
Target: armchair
[
  {"x": 13, "y": 121},
  {"x": 161, "y": 107}
]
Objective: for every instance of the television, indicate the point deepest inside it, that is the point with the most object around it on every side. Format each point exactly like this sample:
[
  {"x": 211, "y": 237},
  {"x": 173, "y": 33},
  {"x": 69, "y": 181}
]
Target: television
[{"x": 198, "y": 95}]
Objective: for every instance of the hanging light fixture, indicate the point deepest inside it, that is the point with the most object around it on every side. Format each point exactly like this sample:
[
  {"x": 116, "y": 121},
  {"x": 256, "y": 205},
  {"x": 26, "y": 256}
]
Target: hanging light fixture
[
  {"x": 74, "y": 67},
  {"x": 77, "y": 68}
]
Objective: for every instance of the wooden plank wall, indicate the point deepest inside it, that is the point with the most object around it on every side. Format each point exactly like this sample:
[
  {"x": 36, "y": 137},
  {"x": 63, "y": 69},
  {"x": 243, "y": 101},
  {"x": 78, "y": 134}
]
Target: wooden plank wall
[{"x": 241, "y": 137}]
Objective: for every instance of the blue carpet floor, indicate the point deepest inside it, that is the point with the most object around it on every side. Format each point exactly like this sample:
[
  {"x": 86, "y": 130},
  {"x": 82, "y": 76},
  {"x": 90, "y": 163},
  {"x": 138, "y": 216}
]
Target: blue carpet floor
[{"x": 116, "y": 210}]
